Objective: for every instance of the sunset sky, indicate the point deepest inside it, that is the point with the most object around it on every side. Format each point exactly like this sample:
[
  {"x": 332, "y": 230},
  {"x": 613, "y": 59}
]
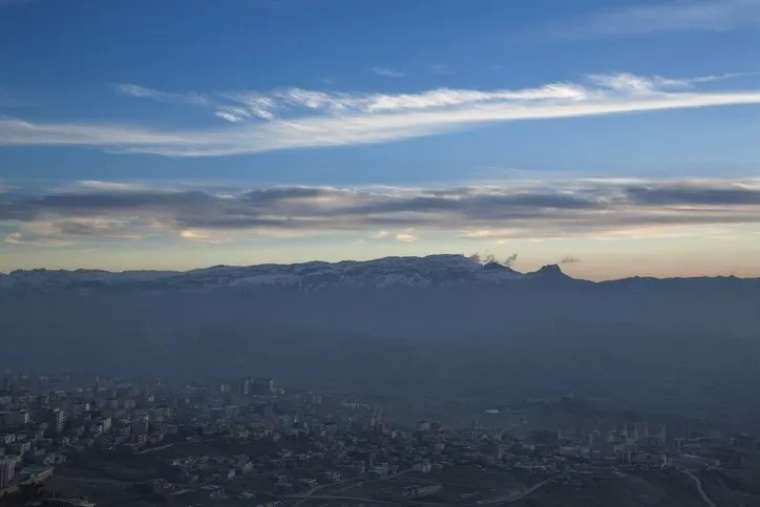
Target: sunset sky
[{"x": 615, "y": 138}]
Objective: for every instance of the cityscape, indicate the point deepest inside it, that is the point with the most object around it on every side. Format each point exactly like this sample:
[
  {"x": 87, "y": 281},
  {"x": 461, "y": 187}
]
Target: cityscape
[{"x": 76, "y": 441}]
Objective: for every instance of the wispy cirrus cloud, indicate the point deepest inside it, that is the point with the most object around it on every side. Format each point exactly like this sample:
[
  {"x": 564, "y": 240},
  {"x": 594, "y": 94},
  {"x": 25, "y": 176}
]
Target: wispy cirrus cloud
[
  {"x": 298, "y": 118},
  {"x": 137, "y": 91},
  {"x": 670, "y": 16},
  {"x": 528, "y": 209},
  {"x": 631, "y": 83}
]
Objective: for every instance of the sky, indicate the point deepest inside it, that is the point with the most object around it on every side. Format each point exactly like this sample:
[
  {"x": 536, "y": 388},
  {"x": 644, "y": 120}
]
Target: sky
[{"x": 615, "y": 138}]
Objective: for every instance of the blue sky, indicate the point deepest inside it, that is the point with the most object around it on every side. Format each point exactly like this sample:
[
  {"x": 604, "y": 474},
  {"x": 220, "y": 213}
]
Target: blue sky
[{"x": 392, "y": 115}]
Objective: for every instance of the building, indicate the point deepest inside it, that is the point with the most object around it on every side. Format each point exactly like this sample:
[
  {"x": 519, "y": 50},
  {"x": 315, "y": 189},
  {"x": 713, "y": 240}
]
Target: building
[
  {"x": 262, "y": 386},
  {"x": 7, "y": 471},
  {"x": 58, "y": 420},
  {"x": 14, "y": 418},
  {"x": 141, "y": 425}
]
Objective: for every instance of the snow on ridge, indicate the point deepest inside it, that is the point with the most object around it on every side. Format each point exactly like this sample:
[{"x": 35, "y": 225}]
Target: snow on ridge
[{"x": 433, "y": 270}]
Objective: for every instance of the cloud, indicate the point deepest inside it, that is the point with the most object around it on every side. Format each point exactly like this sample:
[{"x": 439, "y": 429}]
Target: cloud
[
  {"x": 407, "y": 236},
  {"x": 230, "y": 117},
  {"x": 137, "y": 91},
  {"x": 193, "y": 234},
  {"x": 642, "y": 85},
  {"x": 19, "y": 239},
  {"x": 297, "y": 118},
  {"x": 569, "y": 260},
  {"x": 489, "y": 258},
  {"x": 696, "y": 194},
  {"x": 568, "y": 208},
  {"x": 388, "y": 72},
  {"x": 108, "y": 186},
  {"x": 246, "y": 106},
  {"x": 696, "y": 15},
  {"x": 202, "y": 236}
]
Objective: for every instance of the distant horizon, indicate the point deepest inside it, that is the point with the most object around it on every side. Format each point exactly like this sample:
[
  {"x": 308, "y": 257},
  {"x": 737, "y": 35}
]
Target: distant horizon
[{"x": 566, "y": 267}]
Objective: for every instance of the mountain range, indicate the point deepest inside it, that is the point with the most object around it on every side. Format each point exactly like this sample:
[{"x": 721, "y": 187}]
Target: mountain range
[
  {"x": 442, "y": 326},
  {"x": 433, "y": 271},
  {"x": 430, "y": 271}
]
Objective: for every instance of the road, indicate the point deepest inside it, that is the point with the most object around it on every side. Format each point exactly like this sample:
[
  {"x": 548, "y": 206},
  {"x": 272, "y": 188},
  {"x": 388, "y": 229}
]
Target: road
[
  {"x": 700, "y": 489},
  {"x": 155, "y": 449},
  {"x": 344, "y": 498},
  {"x": 309, "y": 495},
  {"x": 529, "y": 491},
  {"x": 95, "y": 480},
  {"x": 507, "y": 501}
]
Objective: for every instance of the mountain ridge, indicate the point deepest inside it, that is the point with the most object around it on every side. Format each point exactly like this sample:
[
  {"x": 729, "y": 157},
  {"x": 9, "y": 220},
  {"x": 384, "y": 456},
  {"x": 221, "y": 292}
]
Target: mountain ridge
[
  {"x": 410, "y": 271},
  {"x": 445, "y": 324}
]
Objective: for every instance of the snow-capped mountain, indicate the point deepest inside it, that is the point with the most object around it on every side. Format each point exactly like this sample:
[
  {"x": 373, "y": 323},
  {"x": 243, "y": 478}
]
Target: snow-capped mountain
[
  {"x": 443, "y": 270},
  {"x": 47, "y": 278},
  {"x": 430, "y": 271}
]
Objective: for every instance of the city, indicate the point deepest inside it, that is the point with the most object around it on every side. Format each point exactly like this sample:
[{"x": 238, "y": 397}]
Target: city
[{"x": 67, "y": 440}]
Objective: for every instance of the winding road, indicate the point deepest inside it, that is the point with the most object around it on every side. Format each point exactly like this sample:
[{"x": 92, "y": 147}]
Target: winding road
[{"x": 700, "y": 489}]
